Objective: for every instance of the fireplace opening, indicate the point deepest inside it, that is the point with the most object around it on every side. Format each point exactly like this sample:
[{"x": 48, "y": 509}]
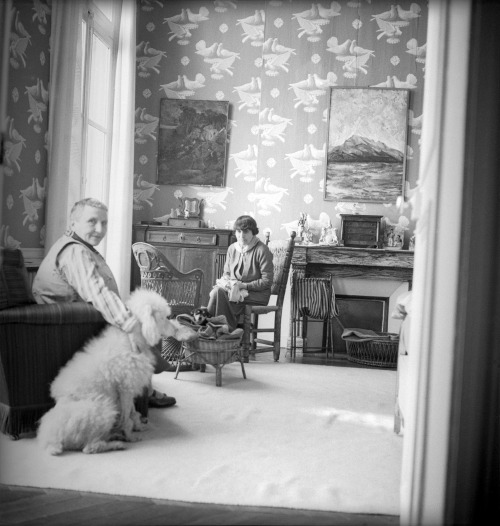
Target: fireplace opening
[{"x": 364, "y": 312}]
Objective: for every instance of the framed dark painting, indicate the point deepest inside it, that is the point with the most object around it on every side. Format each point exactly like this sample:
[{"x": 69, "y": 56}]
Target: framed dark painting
[
  {"x": 192, "y": 142},
  {"x": 366, "y": 154}
]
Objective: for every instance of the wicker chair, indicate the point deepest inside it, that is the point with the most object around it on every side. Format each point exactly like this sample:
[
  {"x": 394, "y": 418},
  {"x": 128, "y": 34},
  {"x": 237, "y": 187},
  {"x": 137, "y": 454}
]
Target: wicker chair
[
  {"x": 282, "y": 258},
  {"x": 181, "y": 290}
]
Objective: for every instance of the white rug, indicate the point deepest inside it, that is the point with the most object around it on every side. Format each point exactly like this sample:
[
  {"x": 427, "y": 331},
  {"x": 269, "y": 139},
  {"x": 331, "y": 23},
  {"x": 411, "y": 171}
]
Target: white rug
[{"x": 290, "y": 435}]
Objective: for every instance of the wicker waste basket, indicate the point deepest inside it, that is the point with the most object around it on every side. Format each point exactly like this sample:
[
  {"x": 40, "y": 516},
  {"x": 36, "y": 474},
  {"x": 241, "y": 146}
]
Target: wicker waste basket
[
  {"x": 381, "y": 351},
  {"x": 214, "y": 352}
]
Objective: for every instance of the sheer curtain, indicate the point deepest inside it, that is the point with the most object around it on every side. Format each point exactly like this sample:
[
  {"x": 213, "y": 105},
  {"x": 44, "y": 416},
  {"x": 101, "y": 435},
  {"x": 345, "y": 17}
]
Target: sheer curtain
[
  {"x": 65, "y": 163},
  {"x": 119, "y": 239}
]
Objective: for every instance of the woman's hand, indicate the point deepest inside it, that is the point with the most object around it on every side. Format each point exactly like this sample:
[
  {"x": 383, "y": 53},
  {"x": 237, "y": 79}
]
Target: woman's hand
[{"x": 242, "y": 285}]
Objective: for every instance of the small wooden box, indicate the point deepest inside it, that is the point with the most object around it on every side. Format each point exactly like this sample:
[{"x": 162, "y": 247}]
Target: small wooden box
[{"x": 361, "y": 231}]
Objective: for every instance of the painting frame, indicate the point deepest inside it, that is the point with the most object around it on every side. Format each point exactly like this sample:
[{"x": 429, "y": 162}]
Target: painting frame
[
  {"x": 192, "y": 142},
  {"x": 367, "y": 144}
]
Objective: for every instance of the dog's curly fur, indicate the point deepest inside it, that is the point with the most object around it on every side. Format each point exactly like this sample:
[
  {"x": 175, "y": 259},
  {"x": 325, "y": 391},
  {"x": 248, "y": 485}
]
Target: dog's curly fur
[{"x": 95, "y": 390}]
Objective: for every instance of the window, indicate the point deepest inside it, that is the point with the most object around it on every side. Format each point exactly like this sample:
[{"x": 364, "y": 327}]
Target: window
[{"x": 99, "y": 50}]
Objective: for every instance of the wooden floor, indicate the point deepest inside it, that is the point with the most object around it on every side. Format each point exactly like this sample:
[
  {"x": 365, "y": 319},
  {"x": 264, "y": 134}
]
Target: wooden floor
[{"x": 37, "y": 507}]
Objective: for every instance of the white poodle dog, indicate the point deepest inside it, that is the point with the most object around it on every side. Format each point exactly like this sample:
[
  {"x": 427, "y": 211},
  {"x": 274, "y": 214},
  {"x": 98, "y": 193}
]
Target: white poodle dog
[{"x": 95, "y": 390}]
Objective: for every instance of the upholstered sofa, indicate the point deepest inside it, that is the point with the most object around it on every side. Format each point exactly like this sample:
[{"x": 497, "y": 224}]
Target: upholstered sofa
[{"x": 35, "y": 342}]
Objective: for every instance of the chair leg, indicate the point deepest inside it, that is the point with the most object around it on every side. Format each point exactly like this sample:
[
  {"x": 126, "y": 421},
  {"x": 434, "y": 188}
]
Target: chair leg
[
  {"x": 247, "y": 319},
  {"x": 254, "y": 325},
  {"x": 277, "y": 336},
  {"x": 304, "y": 334},
  {"x": 218, "y": 375},
  {"x": 243, "y": 369}
]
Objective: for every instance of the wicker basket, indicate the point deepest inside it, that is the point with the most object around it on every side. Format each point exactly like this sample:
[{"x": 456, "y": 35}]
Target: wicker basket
[
  {"x": 377, "y": 353},
  {"x": 212, "y": 351}
]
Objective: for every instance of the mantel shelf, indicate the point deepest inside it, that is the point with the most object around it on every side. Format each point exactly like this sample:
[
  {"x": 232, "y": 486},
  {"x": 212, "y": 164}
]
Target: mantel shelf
[{"x": 365, "y": 263}]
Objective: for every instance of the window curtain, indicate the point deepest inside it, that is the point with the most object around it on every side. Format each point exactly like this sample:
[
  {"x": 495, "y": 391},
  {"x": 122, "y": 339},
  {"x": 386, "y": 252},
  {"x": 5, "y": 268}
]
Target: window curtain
[
  {"x": 65, "y": 187},
  {"x": 119, "y": 239},
  {"x": 64, "y": 164}
]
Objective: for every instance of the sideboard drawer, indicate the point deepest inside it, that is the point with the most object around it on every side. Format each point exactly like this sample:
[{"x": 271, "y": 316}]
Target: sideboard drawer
[{"x": 185, "y": 238}]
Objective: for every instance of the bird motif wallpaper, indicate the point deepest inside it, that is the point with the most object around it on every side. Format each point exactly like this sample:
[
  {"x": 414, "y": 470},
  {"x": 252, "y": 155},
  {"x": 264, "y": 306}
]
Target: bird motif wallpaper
[
  {"x": 273, "y": 61},
  {"x": 25, "y": 172}
]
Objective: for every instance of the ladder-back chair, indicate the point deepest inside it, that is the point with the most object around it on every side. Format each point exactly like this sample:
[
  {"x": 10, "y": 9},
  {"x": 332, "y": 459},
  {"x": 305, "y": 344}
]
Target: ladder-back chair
[
  {"x": 282, "y": 258},
  {"x": 182, "y": 290}
]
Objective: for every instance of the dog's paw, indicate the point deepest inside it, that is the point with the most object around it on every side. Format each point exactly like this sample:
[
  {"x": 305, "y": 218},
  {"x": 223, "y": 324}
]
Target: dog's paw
[
  {"x": 140, "y": 427},
  {"x": 134, "y": 438},
  {"x": 54, "y": 450},
  {"x": 101, "y": 446}
]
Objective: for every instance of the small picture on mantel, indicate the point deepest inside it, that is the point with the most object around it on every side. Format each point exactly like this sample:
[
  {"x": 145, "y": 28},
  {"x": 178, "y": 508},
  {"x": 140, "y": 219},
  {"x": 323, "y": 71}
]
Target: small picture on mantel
[
  {"x": 192, "y": 142},
  {"x": 367, "y": 133}
]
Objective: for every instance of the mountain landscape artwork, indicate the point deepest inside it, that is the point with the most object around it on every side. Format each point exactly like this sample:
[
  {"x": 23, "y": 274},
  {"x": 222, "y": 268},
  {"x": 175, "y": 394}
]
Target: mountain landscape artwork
[{"x": 366, "y": 156}]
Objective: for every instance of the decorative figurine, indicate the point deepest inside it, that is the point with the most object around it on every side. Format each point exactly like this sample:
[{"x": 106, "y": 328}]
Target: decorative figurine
[
  {"x": 301, "y": 226},
  {"x": 394, "y": 233}
]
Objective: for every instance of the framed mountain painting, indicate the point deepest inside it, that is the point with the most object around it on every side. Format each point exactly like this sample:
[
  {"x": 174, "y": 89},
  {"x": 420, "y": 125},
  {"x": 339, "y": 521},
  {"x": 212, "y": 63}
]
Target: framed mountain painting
[
  {"x": 192, "y": 142},
  {"x": 366, "y": 154}
]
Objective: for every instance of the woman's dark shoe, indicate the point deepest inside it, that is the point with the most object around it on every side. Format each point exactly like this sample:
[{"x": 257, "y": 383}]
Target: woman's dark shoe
[{"x": 157, "y": 399}]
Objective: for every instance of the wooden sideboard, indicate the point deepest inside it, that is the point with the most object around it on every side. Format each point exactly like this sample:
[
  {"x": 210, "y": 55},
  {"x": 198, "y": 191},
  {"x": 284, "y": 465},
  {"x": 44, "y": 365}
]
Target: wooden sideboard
[{"x": 187, "y": 249}]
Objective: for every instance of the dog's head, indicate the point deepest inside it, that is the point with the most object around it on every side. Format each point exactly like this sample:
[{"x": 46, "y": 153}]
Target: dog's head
[
  {"x": 153, "y": 312},
  {"x": 201, "y": 315}
]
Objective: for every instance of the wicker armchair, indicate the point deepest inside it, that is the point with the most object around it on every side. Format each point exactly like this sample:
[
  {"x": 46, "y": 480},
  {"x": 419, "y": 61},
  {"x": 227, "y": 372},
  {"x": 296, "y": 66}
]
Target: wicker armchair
[
  {"x": 282, "y": 258},
  {"x": 181, "y": 290}
]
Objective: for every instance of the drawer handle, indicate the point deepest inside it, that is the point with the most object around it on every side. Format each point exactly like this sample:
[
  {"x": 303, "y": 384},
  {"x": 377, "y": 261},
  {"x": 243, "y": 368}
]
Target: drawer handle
[
  {"x": 181, "y": 237},
  {"x": 198, "y": 239}
]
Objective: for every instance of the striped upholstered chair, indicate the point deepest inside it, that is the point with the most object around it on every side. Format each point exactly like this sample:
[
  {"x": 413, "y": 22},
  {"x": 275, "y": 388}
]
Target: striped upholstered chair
[
  {"x": 35, "y": 342},
  {"x": 313, "y": 300}
]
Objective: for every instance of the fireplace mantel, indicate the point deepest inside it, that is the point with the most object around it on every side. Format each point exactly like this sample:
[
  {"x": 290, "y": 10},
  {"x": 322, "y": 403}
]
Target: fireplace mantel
[{"x": 347, "y": 262}]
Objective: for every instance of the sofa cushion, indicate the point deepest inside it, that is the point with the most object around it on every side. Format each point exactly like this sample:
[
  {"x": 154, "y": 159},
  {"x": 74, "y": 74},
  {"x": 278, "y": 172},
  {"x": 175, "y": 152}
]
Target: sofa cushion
[{"x": 14, "y": 281}]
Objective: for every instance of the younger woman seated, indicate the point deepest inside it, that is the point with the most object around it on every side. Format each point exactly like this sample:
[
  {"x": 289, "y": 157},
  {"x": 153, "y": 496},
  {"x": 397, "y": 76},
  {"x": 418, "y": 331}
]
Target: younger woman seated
[{"x": 248, "y": 274}]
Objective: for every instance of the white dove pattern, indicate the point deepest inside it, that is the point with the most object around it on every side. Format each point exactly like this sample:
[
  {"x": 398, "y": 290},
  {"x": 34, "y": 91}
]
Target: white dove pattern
[
  {"x": 147, "y": 59},
  {"x": 266, "y": 201},
  {"x": 13, "y": 147},
  {"x": 249, "y": 94},
  {"x": 6, "y": 240},
  {"x": 253, "y": 27},
  {"x": 145, "y": 126},
  {"x": 275, "y": 57},
  {"x": 307, "y": 93},
  {"x": 38, "y": 98},
  {"x": 272, "y": 126},
  {"x": 246, "y": 162},
  {"x": 19, "y": 40},
  {"x": 419, "y": 51},
  {"x": 215, "y": 198}
]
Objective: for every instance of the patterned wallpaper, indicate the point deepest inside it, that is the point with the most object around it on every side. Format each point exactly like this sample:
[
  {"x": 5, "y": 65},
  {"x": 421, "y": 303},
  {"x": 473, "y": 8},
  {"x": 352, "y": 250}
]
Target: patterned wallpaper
[
  {"x": 25, "y": 175},
  {"x": 273, "y": 61}
]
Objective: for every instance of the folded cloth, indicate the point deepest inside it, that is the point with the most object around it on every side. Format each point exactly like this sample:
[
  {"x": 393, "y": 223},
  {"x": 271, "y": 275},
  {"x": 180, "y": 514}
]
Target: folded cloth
[
  {"x": 234, "y": 292},
  {"x": 235, "y": 335},
  {"x": 215, "y": 328},
  {"x": 361, "y": 335}
]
